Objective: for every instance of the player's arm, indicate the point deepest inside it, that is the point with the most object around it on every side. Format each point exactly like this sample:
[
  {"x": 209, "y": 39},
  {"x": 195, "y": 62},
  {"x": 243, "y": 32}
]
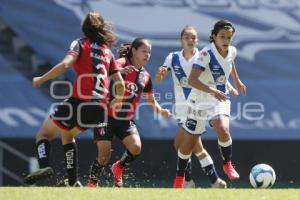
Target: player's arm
[
  {"x": 119, "y": 86},
  {"x": 231, "y": 89},
  {"x": 161, "y": 73},
  {"x": 164, "y": 70},
  {"x": 194, "y": 81},
  {"x": 238, "y": 83},
  {"x": 156, "y": 107},
  {"x": 56, "y": 71}
]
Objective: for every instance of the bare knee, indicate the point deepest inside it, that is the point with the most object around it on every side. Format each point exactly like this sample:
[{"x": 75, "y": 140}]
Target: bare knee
[
  {"x": 223, "y": 134},
  {"x": 135, "y": 149}
]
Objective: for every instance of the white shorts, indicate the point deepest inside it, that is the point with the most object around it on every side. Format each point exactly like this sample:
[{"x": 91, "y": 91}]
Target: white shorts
[
  {"x": 199, "y": 114},
  {"x": 180, "y": 113}
]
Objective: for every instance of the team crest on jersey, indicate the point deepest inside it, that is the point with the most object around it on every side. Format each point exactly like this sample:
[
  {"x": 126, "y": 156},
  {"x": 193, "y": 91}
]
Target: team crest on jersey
[
  {"x": 101, "y": 131},
  {"x": 131, "y": 88},
  {"x": 221, "y": 79},
  {"x": 184, "y": 82}
]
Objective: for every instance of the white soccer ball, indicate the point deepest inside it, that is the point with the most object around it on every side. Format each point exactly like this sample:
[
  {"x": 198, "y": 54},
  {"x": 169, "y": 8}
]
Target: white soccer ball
[{"x": 262, "y": 176}]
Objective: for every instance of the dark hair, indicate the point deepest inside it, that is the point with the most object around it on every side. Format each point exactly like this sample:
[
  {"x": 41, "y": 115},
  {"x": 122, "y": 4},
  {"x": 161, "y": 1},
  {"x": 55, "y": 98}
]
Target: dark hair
[
  {"x": 97, "y": 29},
  {"x": 185, "y": 29},
  {"x": 222, "y": 24},
  {"x": 125, "y": 50}
]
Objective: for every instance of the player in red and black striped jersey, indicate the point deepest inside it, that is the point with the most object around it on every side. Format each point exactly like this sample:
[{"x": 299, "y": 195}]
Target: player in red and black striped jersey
[
  {"x": 87, "y": 107},
  {"x": 120, "y": 123}
]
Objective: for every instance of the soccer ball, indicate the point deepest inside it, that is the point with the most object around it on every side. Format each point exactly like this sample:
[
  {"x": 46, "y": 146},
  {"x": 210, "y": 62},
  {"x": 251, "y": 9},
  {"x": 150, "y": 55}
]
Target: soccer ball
[{"x": 262, "y": 176}]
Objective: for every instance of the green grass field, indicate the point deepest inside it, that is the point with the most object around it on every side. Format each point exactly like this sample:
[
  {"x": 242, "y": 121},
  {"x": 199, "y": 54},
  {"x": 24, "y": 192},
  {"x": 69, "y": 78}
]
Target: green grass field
[{"x": 50, "y": 193}]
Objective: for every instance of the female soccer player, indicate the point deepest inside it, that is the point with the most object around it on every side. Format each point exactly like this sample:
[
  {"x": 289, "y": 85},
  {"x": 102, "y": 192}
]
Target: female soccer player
[
  {"x": 209, "y": 101},
  {"x": 180, "y": 64},
  {"x": 87, "y": 107},
  {"x": 120, "y": 122}
]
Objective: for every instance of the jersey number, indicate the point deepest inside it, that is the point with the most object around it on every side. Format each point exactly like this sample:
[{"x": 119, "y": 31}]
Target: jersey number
[{"x": 99, "y": 90}]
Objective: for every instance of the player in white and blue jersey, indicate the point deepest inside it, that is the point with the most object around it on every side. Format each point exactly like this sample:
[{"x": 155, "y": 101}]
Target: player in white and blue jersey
[
  {"x": 179, "y": 63},
  {"x": 208, "y": 100}
]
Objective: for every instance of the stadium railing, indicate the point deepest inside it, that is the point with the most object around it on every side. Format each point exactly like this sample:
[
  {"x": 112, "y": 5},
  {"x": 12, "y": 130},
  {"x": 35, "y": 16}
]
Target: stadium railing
[{"x": 32, "y": 162}]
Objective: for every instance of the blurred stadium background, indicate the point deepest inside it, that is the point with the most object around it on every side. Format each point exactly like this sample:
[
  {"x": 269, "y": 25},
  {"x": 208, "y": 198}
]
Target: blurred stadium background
[{"x": 35, "y": 35}]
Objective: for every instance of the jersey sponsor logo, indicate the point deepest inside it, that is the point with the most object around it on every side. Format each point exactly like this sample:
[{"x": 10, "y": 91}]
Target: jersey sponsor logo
[
  {"x": 258, "y": 29},
  {"x": 216, "y": 67},
  {"x": 191, "y": 124}
]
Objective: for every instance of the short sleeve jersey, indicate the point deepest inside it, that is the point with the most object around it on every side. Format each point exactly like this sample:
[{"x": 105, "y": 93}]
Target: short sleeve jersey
[
  {"x": 216, "y": 69},
  {"x": 180, "y": 69},
  {"x": 136, "y": 83},
  {"x": 94, "y": 64}
]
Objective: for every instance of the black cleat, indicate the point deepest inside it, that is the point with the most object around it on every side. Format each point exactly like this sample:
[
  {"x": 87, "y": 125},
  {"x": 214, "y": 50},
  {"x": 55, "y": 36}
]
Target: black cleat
[{"x": 42, "y": 173}]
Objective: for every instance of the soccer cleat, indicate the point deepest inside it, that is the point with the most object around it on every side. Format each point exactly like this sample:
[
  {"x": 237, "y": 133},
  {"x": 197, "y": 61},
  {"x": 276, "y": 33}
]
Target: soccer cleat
[
  {"x": 117, "y": 171},
  {"x": 178, "y": 182},
  {"x": 76, "y": 184},
  {"x": 230, "y": 171},
  {"x": 92, "y": 184},
  {"x": 189, "y": 184},
  {"x": 219, "y": 184},
  {"x": 42, "y": 173}
]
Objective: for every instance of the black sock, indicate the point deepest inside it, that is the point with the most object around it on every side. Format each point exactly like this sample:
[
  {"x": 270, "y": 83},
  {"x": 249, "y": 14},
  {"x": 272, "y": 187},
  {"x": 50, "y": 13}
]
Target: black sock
[
  {"x": 211, "y": 173},
  {"x": 43, "y": 152},
  {"x": 71, "y": 161},
  {"x": 181, "y": 166},
  {"x": 226, "y": 153},
  {"x": 127, "y": 158},
  {"x": 95, "y": 171},
  {"x": 188, "y": 171}
]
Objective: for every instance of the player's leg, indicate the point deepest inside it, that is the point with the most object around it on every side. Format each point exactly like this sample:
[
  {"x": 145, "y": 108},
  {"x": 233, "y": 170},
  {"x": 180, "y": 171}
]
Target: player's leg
[
  {"x": 98, "y": 166},
  {"x": 188, "y": 183},
  {"x": 221, "y": 127},
  {"x": 71, "y": 156},
  {"x": 186, "y": 146},
  {"x": 130, "y": 138},
  {"x": 193, "y": 127},
  {"x": 102, "y": 138},
  {"x": 47, "y": 132},
  {"x": 208, "y": 166}
]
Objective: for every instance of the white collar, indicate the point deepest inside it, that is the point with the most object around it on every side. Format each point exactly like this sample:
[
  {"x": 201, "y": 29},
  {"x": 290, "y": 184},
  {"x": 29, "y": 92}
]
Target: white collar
[
  {"x": 216, "y": 52},
  {"x": 195, "y": 51}
]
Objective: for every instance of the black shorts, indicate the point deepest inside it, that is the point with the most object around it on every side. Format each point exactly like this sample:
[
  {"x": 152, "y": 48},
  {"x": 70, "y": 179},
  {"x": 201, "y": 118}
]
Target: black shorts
[
  {"x": 118, "y": 128},
  {"x": 77, "y": 113}
]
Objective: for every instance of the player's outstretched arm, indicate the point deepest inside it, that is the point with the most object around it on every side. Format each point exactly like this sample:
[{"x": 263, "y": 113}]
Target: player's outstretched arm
[
  {"x": 161, "y": 73},
  {"x": 231, "y": 89},
  {"x": 238, "y": 83},
  {"x": 56, "y": 71},
  {"x": 120, "y": 90},
  {"x": 156, "y": 107}
]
